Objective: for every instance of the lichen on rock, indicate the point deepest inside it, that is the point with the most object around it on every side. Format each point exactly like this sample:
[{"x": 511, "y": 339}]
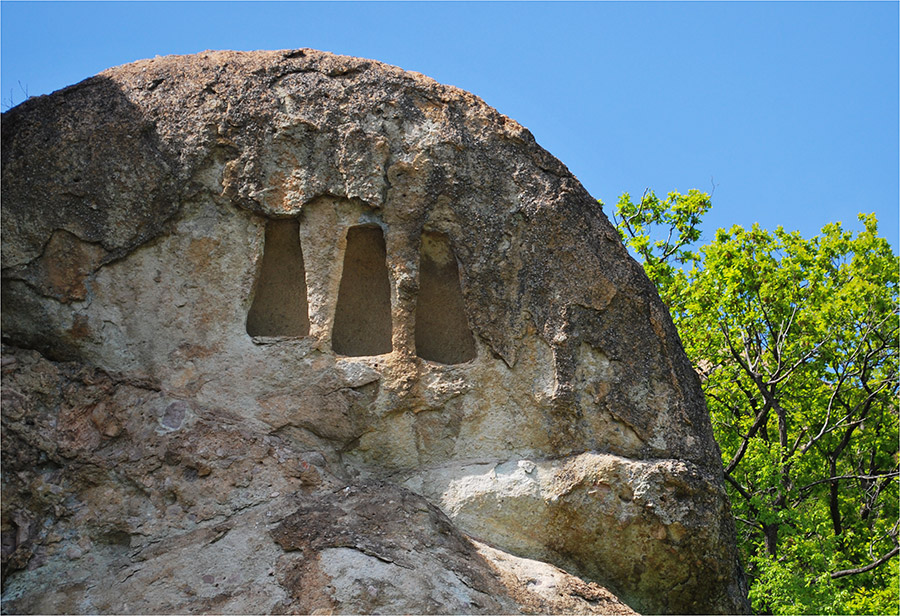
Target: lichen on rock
[{"x": 282, "y": 328}]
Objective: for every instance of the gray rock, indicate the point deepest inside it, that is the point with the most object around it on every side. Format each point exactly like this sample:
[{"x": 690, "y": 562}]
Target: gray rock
[{"x": 460, "y": 318}]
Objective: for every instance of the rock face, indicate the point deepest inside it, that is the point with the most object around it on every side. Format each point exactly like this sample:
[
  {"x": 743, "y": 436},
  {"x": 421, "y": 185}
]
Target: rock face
[{"x": 281, "y": 327}]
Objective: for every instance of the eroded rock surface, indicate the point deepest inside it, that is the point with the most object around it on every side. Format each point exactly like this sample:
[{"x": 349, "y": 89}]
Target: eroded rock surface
[{"x": 179, "y": 435}]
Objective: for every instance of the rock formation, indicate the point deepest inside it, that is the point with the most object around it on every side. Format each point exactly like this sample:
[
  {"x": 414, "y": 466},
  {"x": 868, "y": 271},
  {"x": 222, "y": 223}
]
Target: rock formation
[{"x": 295, "y": 332}]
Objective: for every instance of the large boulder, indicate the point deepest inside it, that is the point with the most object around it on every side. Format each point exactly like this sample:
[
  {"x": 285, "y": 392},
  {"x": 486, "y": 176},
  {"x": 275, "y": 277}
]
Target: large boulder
[{"x": 242, "y": 289}]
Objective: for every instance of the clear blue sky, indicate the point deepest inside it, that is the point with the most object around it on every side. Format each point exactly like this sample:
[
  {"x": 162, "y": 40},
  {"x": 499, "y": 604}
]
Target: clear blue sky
[{"x": 791, "y": 109}]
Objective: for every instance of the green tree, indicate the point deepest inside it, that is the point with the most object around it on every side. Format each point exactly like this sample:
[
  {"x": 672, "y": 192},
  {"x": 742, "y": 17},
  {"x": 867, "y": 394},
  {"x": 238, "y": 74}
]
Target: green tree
[{"x": 796, "y": 344}]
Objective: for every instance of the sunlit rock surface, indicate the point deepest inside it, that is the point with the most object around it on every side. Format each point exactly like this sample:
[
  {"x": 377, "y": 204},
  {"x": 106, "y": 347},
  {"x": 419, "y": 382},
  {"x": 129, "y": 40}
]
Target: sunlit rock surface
[{"x": 288, "y": 331}]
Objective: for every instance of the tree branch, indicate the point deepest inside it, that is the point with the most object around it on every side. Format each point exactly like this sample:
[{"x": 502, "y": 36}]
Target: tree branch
[
  {"x": 738, "y": 456},
  {"x": 839, "y": 574},
  {"x": 865, "y": 477},
  {"x": 742, "y": 492}
]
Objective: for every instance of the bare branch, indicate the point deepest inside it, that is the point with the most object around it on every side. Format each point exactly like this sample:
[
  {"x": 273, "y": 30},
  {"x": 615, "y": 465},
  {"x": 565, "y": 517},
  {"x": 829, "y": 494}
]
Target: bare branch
[
  {"x": 749, "y": 522},
  {"x": 863, "y": 477},
  {"x": 736, "y": 354},
  {"x": 797, "y": 364},
  {"x": 839, "y": 574},
  {"x": 742, "y": 491},
  {"x": 760, "y": 420}
]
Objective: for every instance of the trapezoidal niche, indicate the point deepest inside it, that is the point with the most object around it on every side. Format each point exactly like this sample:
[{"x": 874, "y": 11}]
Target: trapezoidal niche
[
  {"x": 362, "y": 319},
  {"x": 279, "y": 307},
  {"x": 442, "y": 330}
]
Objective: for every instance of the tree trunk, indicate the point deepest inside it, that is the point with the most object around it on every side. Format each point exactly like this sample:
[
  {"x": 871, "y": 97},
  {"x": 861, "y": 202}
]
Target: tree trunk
[
  {"x": 833, "y": 504},
  {"x": 771, "y": 536}
]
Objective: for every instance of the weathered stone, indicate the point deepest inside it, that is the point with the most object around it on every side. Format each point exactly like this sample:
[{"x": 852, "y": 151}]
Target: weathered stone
[
  {"x": 544, "y": 589},
  {"x": 468, "y": 325},
  {"x": 589, "y": 507},
  {"x": 183, "y": 511}
]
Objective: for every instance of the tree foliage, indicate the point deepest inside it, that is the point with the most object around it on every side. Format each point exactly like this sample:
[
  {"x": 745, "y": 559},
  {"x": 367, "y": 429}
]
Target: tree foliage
[{"x": 796, "y": 343}]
